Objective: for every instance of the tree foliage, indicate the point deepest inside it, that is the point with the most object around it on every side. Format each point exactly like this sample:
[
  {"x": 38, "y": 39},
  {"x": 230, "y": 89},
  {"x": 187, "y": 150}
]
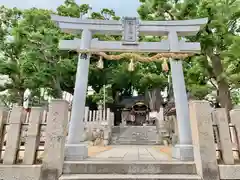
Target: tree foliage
[
  {"x": 30, "y": 57},
  {"x": 215, "y": 67}
]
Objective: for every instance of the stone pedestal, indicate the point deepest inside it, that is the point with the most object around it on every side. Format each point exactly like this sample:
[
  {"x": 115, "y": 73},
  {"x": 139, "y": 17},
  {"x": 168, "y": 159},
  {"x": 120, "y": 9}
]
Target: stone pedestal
[
  {"x": 183, "y": 152},
  {"x": 76, "y": 152}
]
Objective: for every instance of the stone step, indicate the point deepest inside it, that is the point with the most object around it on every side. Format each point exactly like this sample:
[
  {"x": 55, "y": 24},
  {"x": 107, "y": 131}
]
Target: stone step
[
  {"x": 128, "y": 167},
  {"x": 128, "y": 176},
  {"x": 135, "y": 135},
  {"x": 133, "y": 142}
]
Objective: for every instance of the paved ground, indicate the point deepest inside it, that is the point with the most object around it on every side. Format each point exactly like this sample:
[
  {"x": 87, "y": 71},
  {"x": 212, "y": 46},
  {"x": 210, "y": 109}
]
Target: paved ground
[
  {"x": 130, "y": 152},
  {"x": 94, "y": 150}
]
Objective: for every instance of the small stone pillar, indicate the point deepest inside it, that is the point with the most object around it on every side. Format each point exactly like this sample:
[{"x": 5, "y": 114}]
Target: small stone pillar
[
  {"x": 56, "y": 133},
  {"x": 33, "y": 135},
  {"x": 203, "y": 140},
  {"x": 3, "y": 121},
  {"x": 100, "y": 110},
  {"x": 125, "y": 116},
  {"x": 13, "y": 136},
  {"x": 159, "y": 124},
  {"x": 175, "y": 128}
]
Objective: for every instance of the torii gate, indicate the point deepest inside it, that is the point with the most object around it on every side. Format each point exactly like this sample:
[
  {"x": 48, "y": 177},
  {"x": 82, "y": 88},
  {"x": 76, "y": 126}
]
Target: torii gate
[{"x": 130, "y": 29}]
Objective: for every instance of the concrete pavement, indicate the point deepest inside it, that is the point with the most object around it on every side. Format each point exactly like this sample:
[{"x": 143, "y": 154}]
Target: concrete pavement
[{"x": 132, "y": 152}]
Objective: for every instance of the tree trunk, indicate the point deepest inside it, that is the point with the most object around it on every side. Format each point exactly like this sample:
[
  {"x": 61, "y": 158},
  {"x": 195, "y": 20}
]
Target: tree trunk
[
  {"x": 58, "y": 90},
  {"x": 224, "y": 96},
  {"x": 154, "y": 99},
  {"x": 21, "y": 98}
]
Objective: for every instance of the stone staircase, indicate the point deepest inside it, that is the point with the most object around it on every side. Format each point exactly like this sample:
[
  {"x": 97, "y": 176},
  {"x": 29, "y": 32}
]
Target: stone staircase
[
  {"x": 134, "y": 135},
  {"x": 112, "y": 169},
  {"x": 123, "y": 170}
]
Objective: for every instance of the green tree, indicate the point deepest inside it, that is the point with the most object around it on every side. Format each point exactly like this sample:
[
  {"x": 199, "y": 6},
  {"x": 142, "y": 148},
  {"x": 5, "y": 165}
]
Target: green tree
[
  {"x": 42, "y": 57},
  {"x": 218, "y": 39},
  {"x": 72, "y": 9},
  {"x": 31, "y": 58},
  {"x": 29, "y": 53},
  {"x": 99, "y": 98},
  {"x": 11, "y": 55}
]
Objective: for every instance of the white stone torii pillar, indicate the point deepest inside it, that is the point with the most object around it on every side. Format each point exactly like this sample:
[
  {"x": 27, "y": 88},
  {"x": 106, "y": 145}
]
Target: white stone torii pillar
[
  {"x": 130, "y": 28},
  {"x": 75, "y": 150},
  {"x": 184, "y": 149}
]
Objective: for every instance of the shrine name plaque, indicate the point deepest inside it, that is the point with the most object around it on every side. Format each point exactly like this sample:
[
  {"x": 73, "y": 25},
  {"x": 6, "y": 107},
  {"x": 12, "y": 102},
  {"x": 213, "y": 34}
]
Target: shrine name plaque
[{"x": 130, "y": 31}]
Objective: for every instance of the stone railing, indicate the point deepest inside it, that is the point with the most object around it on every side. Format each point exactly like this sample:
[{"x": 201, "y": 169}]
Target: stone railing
[
  {"x": 100, "y": 117},
  {"x": 32, "y": 144},
  {"x": 96, "y": 116},
  {"x": 98, "y": 128},
  {"x": 216, "y": 141}
]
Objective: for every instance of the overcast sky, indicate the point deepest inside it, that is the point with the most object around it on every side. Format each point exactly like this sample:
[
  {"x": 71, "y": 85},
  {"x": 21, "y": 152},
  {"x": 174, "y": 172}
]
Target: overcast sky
[{"x": 121, "y": 7}]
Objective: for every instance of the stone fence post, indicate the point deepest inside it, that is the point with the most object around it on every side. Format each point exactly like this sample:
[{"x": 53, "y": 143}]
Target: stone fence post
[
  {"x": 33, "y": 137},
  {"x": 3, "y": 120},
  {"x": 203, "y": 140},
  {"x": 13, "y": 137},
  {"x": 235, "y": 119},
  {"x": 56, "y": 132},
  {"x": 220, "y": 118},
  {"x": 107, "y": 128}
]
